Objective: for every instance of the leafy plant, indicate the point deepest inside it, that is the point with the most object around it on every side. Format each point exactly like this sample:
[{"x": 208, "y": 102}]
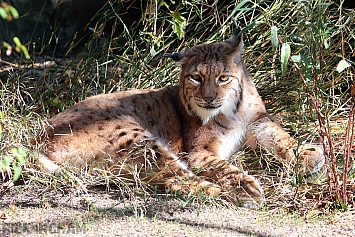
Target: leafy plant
[
  {"x": 179, "y": 24},
  {"x": 307, "y": 85},
  {"x": 19, "y": 47},
  {"x": 12, "y": 164},
  {"x": 312, "y": 71},
  {"x": 8, "y": 12}
]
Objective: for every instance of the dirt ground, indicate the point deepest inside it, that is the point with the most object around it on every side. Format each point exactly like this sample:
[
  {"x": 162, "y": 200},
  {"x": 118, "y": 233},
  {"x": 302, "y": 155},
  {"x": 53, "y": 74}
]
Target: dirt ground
[{"x": 36, "y": 211}]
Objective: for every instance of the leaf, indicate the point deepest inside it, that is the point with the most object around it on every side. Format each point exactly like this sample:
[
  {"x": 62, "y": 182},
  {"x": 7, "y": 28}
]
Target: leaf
[
  {"x": 300, "y": 179},
  {"x": 152, "y": 51},
  {"x": 14, "y": 151},
  {"x": 285, "y": 55},
  {"x": 341, "y": 203},
  {"x": 17, "y": 41},
  {"x": 296, "y": 58},
  {"x": 6, "y": 45},
  {"x": 19, "y": 153},
  {"x": 13, "y": 11},
  {"x": 163, "y": 3},
  {"x": 17, "y": 49},
  {"x": 342, "y": 65},
  {"x": 293, "y": 182},
  {"x": 3, "y": 13},
  {"x": 251, "y": 25},
  {"x": 25, "y": 51},
  {"x": 17, "y": 173},
  {"x": 274, "y": 38},
  {"x": 56, "y": 101},
  {"x": 5, "y": 162},
  {"x": 179, "y": 24}
]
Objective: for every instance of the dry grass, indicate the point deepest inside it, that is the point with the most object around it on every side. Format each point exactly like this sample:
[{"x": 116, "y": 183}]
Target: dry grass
[{"x": 320, "y": 33}]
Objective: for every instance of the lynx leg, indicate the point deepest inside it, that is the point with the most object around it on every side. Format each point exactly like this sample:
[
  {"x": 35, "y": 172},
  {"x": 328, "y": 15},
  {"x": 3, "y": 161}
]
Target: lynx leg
[
  {"x": 174, "y": 174},
  {"x": 216, "y": 179},
  {"x": 268, "y": 133},
  {"x": 239, "y": 187},
  {"x": 48, "y": 165},
  {"x": 311, "y": 157}
]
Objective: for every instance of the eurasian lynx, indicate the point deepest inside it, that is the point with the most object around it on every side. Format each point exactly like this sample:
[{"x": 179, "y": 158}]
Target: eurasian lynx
[{"x": 188, "y": 131}]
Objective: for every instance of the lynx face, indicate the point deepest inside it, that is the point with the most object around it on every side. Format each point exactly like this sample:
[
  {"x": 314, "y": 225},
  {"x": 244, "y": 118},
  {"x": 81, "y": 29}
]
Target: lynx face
[
  {"x": 210, "y": 78},
  {"x": 210, "y": 87},
  {"x": 190, "y": 130}
]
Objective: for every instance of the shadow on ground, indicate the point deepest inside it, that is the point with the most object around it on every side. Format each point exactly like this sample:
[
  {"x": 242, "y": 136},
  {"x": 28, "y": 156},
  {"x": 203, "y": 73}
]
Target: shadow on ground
[{"x": 32, "y": 210}]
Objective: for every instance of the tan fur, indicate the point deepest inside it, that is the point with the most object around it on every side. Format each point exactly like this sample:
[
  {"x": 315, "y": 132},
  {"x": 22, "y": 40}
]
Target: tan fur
[{"x": 188, "y": 131}]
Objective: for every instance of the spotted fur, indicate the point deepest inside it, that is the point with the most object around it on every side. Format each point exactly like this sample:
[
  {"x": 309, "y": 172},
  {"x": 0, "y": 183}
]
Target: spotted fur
[{"x": 179, "y": 137}]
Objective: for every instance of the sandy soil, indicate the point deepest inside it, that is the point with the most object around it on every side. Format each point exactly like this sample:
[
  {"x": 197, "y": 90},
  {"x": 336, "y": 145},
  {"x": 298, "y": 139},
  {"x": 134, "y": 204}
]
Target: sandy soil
[{"x": 35, "y": 211}]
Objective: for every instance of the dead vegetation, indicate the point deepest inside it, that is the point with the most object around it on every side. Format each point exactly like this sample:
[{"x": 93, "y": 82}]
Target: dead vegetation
[{"x": 319, "y": 108}]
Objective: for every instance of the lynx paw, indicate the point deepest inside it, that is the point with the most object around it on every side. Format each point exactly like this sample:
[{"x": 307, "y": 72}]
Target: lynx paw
[
  {"x": 249, "y": 194},
  {"x": 48, "y": 165},
  {"x": 311, "y": 159}
]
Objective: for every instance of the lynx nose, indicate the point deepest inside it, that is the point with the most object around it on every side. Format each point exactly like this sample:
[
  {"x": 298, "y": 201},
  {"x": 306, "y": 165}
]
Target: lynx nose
[{"x": 209, "y": 99}]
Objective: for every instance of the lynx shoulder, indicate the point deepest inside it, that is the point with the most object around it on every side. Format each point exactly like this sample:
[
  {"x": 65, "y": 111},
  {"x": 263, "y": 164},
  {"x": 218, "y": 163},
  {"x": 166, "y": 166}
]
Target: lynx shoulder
[{"x": 180, "y": 137}]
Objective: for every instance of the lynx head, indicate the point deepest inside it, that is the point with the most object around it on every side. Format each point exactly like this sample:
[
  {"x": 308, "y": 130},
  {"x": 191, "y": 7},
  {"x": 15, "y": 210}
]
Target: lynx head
[{"x": 210, "y": 77}]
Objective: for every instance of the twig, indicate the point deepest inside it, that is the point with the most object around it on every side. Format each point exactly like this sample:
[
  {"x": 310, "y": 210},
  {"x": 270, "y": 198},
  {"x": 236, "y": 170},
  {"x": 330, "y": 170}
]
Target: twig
[
  {"x": 8, "y": 63},
  {"x": 349, "y": 139},
  {"x": 324, "y": 133}
]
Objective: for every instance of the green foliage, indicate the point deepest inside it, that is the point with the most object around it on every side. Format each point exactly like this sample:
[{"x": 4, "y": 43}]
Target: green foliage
[
  {"x": 274, "y": 37},
  {"x": 315, "y": 64},
  {"x": 283, "y": 40},
  {"x": 8, "y": 12},
  {"x": 14, "y": 162},
  {"x": 11, "y": 163},
  {"x": 17, "y": 123},
  {"x": 179, "y": 24},
  {"x": 285, "y": 55},
  {"x": 21, "y": 48}
]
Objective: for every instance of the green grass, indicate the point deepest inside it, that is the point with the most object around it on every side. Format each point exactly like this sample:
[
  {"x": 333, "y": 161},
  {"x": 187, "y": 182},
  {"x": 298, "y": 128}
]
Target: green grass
[{"x": 320, "y": 32}]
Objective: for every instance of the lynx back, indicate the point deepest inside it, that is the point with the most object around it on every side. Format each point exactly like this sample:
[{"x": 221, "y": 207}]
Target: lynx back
[{"x": 179, "y": 137}]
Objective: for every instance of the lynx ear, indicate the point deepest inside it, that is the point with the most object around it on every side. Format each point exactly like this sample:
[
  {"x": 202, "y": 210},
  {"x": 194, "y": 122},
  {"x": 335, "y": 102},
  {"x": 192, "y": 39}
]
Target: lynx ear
[
  {"x": 177, "y": 57},
  {"x": 236, "y": 41}
]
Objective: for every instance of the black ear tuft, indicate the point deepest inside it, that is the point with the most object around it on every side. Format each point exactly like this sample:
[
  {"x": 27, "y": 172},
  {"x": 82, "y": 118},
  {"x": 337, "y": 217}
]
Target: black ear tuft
[
  {"x": 237, "y": 36},
  {"x": 175, "y": 56},
  {"x": 236, "y": 41},
  {"x": 238, "y": 30}
]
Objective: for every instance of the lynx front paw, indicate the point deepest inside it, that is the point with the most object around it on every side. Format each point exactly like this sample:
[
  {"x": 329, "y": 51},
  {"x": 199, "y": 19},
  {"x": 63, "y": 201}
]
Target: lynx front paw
[
  {"x": 311, "y": 159},
  {"x": 249, "y": 193}
]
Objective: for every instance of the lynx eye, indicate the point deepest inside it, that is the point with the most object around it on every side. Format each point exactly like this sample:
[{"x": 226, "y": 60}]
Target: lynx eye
[
  {"x": 224, "y": 79},
  {"x": 196, "y": 79}
]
